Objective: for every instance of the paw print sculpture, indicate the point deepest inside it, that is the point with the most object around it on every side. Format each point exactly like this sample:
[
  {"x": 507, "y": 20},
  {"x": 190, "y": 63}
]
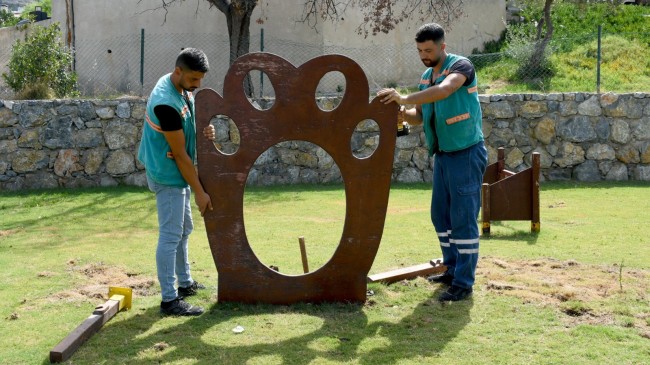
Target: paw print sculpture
[{"x": 295, "y": 116}]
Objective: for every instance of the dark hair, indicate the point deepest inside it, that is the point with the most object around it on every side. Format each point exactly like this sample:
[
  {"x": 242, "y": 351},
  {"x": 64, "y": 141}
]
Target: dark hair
[
  {"x": 193, "y": 59},
  {"x": 430, "y": 32}
]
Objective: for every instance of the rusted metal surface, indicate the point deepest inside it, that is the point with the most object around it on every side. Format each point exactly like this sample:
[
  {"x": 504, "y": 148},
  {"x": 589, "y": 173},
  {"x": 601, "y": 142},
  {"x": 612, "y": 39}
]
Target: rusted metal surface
[
  {"x": 295, "y": 116},
  {"x": 509, "y": 196}
]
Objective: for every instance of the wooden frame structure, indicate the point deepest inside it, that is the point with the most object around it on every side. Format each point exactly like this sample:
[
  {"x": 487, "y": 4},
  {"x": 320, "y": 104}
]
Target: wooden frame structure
[{"x": 509, "y": 196}]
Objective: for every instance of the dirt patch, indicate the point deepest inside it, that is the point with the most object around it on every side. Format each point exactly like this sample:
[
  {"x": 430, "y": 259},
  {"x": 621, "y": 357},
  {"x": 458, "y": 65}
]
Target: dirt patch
[
  {"x": 579, "y": 291},
  {"x": 559, "y": 204},
  {"x": 7, "y": 233},
  {"x": 97, "y": 277},
  {"x": 161, "y": 346}
]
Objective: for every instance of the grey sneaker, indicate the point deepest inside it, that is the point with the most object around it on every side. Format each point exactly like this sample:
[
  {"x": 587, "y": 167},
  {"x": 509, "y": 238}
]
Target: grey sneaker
[
  {"x": 179, "y": 307},
  {"x": 190, "y": 290}
]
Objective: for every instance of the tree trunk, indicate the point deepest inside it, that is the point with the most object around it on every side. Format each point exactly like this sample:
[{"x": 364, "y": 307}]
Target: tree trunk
[
  {"x": 238, "y": 15},
  {"x": 538, "y": 57}
]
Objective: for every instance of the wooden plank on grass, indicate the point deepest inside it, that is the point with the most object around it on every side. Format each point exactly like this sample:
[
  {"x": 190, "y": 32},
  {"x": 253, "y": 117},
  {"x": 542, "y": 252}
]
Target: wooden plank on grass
[{"x": 406, "y": 273}]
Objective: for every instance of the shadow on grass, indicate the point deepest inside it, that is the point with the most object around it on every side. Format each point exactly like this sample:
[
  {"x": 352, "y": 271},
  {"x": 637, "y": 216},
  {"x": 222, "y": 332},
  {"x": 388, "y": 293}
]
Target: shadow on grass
[
  {"x": 572, "y": 185},
  {"x": 424, "y": 332},
  {"x": 510, "y": 234},
  {"x": 103, "y": 202}
]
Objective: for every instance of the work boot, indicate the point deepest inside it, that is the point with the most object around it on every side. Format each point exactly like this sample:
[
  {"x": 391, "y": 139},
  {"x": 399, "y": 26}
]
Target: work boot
[
  {"x": 179, "y": 307},
  {"x": 455, "y": 293},
  {"x": 445, "y": 279},
  {"x": 190, "y": 290}
]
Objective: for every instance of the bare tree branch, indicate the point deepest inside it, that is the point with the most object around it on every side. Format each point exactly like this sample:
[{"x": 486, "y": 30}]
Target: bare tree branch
[{"x": 382, "y": 16}]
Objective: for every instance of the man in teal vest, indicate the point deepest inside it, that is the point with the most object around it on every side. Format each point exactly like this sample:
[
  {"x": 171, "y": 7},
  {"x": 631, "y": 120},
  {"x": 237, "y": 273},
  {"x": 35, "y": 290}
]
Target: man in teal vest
[
  {"x": 168, "y": 152},
  {"x": 448, "y": 107}
]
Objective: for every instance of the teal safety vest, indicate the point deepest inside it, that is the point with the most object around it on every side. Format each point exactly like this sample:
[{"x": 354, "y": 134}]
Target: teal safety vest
[
  {"x": 155, "y": 153},
  {"x": 458, "y": 118}
]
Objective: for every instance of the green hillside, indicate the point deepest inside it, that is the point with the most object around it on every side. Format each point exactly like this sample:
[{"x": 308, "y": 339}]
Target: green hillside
[{"x": 573, "y": 52}]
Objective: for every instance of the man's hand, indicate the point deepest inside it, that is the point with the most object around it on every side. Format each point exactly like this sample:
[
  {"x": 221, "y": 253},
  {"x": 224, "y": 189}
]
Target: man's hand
[
  {"x": 209, "y": 133},
  {"x": 390, "y": 95},
  {"x": 203, "y": 201},
  {"x": 401, "y": 115}
]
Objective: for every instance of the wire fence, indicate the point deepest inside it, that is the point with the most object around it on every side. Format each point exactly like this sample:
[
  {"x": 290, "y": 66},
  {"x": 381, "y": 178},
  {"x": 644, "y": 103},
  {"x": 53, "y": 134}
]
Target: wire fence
[{"x": 132, "y": 64}]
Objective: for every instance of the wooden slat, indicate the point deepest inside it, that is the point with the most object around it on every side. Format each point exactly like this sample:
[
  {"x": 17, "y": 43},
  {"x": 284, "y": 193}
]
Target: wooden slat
[
  {"x": 405, "y": 273},
  {"x": 303, "y": 254},
  {"x": 485, "y": 209},
  {"x": 510, "y": 198},
  {"x": 76, "y": 338},
  {"x": 86, "y": 329},
  {"x": 535, "y": 221}
]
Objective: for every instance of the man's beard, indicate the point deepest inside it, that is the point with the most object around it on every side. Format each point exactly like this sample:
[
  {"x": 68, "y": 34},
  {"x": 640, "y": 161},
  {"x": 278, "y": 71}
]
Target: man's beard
[
  {"x": 430, "y": 63},
  {"x": 190, "y": 89}
]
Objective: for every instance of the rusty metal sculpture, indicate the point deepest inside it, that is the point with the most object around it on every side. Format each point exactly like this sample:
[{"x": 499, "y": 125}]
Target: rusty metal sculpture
[{"x": 295, "y": 116}]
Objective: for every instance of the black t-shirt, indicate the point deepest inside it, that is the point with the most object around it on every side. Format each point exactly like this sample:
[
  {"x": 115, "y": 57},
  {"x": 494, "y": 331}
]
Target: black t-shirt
[
  {"x": 169, "y": 118},
  {"x": 465, "y": 68}
]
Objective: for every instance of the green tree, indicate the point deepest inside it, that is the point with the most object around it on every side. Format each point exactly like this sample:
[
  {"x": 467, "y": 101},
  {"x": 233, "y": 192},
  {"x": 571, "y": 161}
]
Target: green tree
[
  {"x": 46, "y": 6},
  {"x": 7, "y": 19},
  {"x": 41, "y": 60}
]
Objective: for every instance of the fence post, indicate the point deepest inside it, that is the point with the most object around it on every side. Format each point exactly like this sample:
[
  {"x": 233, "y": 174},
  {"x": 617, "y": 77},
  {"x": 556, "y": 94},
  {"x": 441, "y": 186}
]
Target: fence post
[
  {"x": 261, "y": 73},
  {"x": 600, "y": 32},
  {"x": 142, "y": 62}
]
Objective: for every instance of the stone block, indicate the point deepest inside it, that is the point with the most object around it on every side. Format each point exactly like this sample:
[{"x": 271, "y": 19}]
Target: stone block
[
  {"x": 590, "y": 107},
  {"x": 588, "y": 171},
  {"x": 29, "y": 160},
  {"x": 120, "y": 162},
  {"x": 576, "y": 129},
  {"x": 119, "y": 134}
]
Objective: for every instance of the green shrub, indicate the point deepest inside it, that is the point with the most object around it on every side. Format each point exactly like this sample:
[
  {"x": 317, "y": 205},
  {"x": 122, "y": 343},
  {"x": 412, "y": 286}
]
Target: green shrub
[
  {"x": 41, "y": 59},
  {"x": 36, "y": 91},
  {"x": 7, "y": 19}
]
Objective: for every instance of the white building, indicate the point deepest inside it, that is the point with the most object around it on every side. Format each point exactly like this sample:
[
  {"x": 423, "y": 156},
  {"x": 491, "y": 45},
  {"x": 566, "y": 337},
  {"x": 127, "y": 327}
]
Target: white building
[{"x": 107, "y": 39}]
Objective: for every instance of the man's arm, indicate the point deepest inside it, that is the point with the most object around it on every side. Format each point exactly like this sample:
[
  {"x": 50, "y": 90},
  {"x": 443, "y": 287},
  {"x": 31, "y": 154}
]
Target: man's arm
[
  {"x": 176, "y": 140},
  {"x": 172, "y": 126},
  {"x": 412, "y": 116},
  {"x": 432, "y": 94}
]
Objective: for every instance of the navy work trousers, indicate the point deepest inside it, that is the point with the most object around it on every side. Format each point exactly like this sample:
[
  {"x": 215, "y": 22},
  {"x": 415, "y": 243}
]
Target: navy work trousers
[{"x": 455, "y": 204}]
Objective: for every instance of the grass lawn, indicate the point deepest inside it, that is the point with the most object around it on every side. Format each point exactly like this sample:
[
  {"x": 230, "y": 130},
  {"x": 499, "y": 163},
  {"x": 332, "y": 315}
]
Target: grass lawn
[{"x": 576, "y": 293}]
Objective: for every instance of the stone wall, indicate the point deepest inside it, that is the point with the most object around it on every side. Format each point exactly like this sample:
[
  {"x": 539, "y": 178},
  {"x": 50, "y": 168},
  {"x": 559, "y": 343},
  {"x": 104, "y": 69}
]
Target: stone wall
[
  {"x": 83, "y": 143},
  {"x": 580, "y": 136}
]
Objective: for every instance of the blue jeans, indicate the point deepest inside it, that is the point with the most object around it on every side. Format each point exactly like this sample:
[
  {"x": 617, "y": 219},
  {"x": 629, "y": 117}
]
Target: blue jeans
[
  {"x": 455, "y": 204},
  {"x": 174, "y": 226}
]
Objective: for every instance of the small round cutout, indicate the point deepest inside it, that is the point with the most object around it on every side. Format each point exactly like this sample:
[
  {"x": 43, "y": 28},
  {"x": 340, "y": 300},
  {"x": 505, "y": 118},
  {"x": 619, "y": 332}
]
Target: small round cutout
[
  {"x": 227, "y": 137},
  {"x": 259, "y": 90},
  {"x": 330, "y": 90},
  {"x": 365, "y": 139}
]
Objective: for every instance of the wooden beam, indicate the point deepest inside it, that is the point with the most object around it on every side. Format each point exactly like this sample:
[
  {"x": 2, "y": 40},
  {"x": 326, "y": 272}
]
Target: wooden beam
[
  {"x": 411, "y": 272},
  {"x": 303, "y": 254},
  {"x": 84, "y": 331}
]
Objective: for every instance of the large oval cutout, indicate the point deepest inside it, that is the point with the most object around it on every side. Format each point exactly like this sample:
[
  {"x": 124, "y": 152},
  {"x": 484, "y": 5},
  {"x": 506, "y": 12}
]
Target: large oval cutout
[
  {"x": 365, "y": 139},
  {"x": 330, "y": 90},
  {"x": 259, "y": 90},
  {"x": 227, "y": 137},
  {"x": 285, "y": 199}
]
